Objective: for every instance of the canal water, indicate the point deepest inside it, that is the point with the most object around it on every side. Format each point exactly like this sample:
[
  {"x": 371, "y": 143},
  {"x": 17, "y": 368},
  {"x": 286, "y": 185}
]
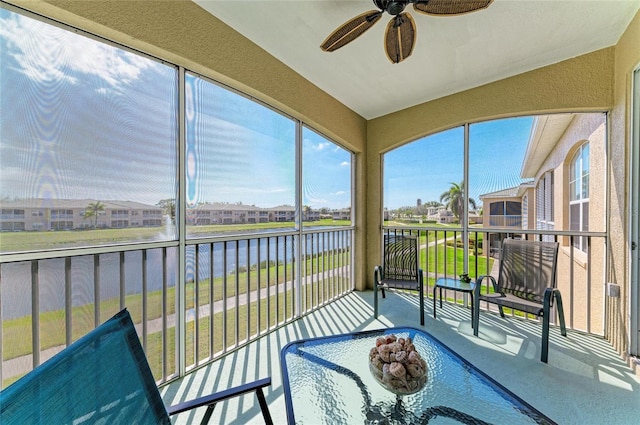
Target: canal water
[{"x": 16, "y": 282}]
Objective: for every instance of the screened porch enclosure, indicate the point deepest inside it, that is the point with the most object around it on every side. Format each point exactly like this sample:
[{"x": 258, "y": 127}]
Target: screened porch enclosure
[{"x": 224, "y": 223}]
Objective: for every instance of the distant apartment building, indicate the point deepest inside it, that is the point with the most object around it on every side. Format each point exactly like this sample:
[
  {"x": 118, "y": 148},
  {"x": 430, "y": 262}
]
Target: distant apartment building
[
  {"x": 282, "y": 213},
  {"x": 441, "y": 215},
  {"x": 71, "y": 214},
  {"x": 341, "y": 214},
  {"x": 224, "y": 213}
]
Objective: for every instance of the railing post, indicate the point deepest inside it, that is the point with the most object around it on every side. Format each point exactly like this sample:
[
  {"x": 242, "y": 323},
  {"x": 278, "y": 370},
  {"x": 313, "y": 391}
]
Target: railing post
[
  {"x": 144, "y": 299},
  {"x": 96, "y": 290},
  {"x": 164, "y": 309},
  {"x": 67, "y": 302},
  {"x": 35, "y": 312}
]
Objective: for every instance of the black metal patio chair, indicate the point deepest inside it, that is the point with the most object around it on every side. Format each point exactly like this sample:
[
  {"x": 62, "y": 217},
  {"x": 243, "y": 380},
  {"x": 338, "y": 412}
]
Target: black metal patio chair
[
  {"x": 400, "y": 269},
  {"x": 527, "y": 283}
]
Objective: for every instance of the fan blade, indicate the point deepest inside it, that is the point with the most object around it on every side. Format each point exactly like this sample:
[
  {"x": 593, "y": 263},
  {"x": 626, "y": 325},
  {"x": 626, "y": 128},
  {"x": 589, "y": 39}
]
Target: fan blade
[
  {"x": 450, "y": 7},
  {"x": 350, "y": 30},
  {"x": 400, "y": 37}
]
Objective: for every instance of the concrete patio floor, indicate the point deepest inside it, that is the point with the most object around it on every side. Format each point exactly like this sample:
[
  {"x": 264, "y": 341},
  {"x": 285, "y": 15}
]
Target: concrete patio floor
[{"x": 585, "y": 381}]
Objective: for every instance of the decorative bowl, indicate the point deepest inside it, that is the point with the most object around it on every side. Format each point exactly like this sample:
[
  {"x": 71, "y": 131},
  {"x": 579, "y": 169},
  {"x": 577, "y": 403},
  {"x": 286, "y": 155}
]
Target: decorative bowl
[
  {"x": 395, "y": 364},
  {"x": 396, "y": 386}
]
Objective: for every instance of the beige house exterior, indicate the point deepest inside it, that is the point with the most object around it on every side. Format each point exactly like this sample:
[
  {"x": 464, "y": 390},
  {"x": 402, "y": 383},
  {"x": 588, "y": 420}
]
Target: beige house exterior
[
  {"x": 556, "y": 143},
  {"x": 599, "y": 81}
]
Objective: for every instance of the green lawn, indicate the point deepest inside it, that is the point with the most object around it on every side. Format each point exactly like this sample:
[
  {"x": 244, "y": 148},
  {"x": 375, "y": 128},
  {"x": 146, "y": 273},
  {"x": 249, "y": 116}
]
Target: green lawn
[
  {"x": 209, "y": 345},
  {"x": 454, "y": 264}
]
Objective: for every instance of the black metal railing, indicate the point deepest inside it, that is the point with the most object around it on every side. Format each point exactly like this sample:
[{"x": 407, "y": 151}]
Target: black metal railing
[{"x": 581, "y": 274}]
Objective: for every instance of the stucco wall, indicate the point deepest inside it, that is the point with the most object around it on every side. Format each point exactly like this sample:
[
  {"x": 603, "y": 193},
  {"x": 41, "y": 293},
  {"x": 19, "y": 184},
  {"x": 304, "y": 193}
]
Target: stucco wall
[{"x": 583, "y": 127}]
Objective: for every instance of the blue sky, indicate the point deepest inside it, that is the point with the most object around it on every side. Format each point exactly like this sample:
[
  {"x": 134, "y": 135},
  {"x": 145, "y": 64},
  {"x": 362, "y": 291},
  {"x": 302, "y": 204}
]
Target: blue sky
[
  {"x": 84, "y": 119},
  {"x": 424, "y": 169}
]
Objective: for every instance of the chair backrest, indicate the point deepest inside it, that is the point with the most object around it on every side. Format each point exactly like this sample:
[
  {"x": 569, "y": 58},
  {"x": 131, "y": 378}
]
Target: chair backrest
[
  {"x": 527, "y": 268},
  {"x": 103, "y": 377},
  {"x": 400, "y": 257}
]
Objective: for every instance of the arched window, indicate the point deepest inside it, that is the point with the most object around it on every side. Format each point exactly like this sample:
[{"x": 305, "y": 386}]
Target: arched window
[{"x": 579, "y": 194}]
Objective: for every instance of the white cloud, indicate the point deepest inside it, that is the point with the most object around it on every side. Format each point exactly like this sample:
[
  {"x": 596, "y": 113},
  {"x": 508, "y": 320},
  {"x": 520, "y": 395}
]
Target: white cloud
[
  {"x": 345, "y": 163},
  {"x": 315, "y": 202},
  {"x": 47, "y": 53}
]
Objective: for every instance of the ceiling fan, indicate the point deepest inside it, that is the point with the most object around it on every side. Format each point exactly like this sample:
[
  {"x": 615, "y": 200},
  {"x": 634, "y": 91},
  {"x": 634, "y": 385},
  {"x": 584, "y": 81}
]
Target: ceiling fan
[{"x": 400, "y": 35}]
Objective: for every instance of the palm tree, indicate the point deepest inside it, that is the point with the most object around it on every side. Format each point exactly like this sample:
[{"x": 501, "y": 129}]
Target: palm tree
[
  {"x": 94, "y": 209},
  {"x": 454, "y": 199}
]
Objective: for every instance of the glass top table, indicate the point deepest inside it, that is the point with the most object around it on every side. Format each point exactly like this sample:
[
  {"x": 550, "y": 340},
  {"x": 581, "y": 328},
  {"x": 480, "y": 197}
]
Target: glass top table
[
  {"x": 327, "y": 380},
  {"x": 447, "y": 283}
]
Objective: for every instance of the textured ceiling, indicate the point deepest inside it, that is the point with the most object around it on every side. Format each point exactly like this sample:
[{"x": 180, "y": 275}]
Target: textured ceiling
[{"x": 451, "y": 53}]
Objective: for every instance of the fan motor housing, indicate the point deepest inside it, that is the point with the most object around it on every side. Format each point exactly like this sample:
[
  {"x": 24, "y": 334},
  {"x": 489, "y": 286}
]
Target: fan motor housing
[{"x": 391, "y": 7}]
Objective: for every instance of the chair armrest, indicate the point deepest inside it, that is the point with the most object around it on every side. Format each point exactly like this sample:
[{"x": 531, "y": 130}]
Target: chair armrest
[
  {"x": 220, "y": 396},
  {"x": 378, "y": 274},
  {"x": 486, "y": 276},
  {"x": 549, "y": 296}
]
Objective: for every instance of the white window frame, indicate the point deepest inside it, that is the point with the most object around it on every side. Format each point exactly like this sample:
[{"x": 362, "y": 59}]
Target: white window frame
[
  {"x": 544, "y": 202},
  {"x": 579, "y": 196}
]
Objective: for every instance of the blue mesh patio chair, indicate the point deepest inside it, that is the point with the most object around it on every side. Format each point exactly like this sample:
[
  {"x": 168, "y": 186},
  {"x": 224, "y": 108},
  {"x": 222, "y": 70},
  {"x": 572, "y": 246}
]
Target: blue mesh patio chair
[{"x": 102, "y": 378}]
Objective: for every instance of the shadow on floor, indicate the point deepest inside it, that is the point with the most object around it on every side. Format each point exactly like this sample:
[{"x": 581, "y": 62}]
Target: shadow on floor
[{"x": 585, "y": 381}]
